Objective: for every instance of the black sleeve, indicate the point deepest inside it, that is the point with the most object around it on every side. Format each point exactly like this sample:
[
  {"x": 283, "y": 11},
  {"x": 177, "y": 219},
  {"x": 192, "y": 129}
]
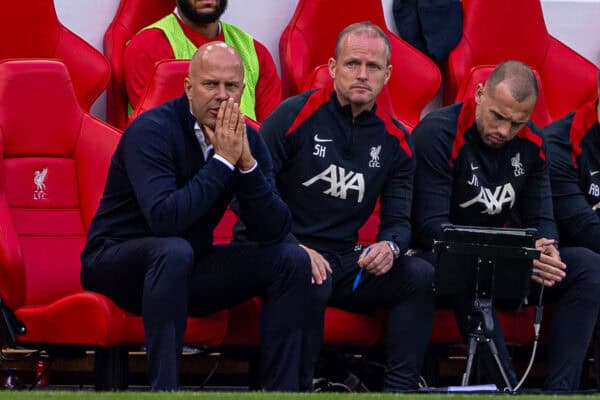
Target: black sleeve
[
  {"x": 280, "y": 145},
  {"x": 264, "y": 213},
  {"x": 396, "y": 200},
  {"x": 535, "y": 203},
  {"x": 169, "y": 210},
  {"x": 433, "y": 181},
  {"x": 575, "y": 217}
]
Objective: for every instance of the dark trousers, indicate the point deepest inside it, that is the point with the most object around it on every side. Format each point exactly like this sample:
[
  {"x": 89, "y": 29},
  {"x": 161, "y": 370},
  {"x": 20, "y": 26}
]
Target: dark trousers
[
  {"x": 164, "y": 280},
  {"x": 407, "y": 291},
  {"x": 577, "y": 300}
]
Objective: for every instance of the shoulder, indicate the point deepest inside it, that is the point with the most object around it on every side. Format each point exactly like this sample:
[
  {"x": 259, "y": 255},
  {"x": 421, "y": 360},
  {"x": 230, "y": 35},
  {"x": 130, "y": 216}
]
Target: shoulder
[
  {"x": 293, "y": 111},
  {"x": 157, "y": 123},
  {"x": 397, "y": 132},
  {"x": 146, "y": 38},
  {"x": 439, "y": 127}
]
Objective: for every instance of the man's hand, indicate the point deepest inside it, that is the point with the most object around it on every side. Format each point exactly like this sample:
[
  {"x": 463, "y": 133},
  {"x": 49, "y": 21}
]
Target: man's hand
[
  {"x": 379, "y": 260},
  {"x": 246, "y": 160},
  {"x": 227, "y": 137},
  {"x": 319, "y": 265},
  {"x": 549, "y": 269}
]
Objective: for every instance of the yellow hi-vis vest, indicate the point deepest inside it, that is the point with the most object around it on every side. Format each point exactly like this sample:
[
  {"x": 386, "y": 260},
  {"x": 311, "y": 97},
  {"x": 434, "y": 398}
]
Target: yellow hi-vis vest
[{"x": 235, "y": 37}]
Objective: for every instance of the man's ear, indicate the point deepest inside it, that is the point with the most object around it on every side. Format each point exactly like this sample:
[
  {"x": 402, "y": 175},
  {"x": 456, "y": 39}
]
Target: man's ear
[
  {"x": 479, "y": 91},
  {"x": 332, "y": 64},
  {"x": 187, "y": 86},
  {"x": 388, "y": 74}
]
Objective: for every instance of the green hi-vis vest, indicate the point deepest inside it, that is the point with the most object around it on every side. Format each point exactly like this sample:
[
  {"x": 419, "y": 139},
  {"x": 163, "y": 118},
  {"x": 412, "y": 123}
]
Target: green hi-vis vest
[{"x": 235, "y": 37}]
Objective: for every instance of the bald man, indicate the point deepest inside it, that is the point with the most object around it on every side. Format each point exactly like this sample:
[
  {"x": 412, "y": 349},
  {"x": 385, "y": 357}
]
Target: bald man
[
  {"x": 149, "y": 246},
  {"x": 481, "y": 162}
]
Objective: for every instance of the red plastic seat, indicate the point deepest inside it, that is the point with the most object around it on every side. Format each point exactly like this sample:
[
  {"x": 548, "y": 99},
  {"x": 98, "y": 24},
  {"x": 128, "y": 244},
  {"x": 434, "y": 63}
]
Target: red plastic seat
[
  {"x": 32, "y": 30},
  {"x": 52, "y": 173},
  {"x": 309, "y": 41},
  {"x": 131, "y": 16},
  {"x": 540, "y": 116},
  {"x": 569, "y": 80}
]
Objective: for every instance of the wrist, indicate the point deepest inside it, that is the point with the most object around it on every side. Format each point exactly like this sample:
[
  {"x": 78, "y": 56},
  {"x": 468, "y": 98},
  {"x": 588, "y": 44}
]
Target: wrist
[
  {"x": 394, "y": 248},
  {"x": 246, "y": 165}
]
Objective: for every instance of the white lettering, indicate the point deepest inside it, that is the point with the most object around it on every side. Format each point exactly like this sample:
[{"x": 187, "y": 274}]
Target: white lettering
[
  {"x": 493, "y": 202},
  {"x": 340, "y": 182},
  {"x": 319, "y": 151}
]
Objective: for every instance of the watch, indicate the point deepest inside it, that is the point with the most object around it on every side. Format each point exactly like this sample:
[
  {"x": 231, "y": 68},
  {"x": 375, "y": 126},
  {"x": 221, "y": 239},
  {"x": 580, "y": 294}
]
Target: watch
[{"x": 395, "y": 249}]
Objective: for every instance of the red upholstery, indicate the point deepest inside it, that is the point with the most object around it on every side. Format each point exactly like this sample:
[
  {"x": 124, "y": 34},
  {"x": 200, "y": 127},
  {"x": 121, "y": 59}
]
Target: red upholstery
[
  {"x": 44, "y": 224},
  {"x": 165, "y": 83},
  {"x": 309, "y": 40},
  {"x": 517, "y": 327},
  {"x": 497, "y": 30},
  {"x": 32, "y": 30},
  {"x": 131, "y": 16},
  {"x": 479, "y": 74}
]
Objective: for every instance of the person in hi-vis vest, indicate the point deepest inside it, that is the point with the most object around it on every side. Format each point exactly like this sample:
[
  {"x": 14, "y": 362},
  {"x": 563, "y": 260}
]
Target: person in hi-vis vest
[{"x": 178, "y": 35}]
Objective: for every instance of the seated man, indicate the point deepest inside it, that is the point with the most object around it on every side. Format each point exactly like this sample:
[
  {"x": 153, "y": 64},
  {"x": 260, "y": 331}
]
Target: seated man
[
  {"x": 574, "y": 155},
  {"x": 150, "y": 247},
  {"x": 178, "y": 35},
  {"x": 483, "y": 163},
  {"x": 334, "y": 156}
]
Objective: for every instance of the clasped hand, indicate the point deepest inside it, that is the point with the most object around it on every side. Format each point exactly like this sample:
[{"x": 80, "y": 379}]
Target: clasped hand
[
  {"x": 549, "y": 269},
  {"x": 229, "y": 137}
]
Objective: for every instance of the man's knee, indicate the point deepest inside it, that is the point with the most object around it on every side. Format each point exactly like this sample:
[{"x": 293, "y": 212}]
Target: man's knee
[
  {"x": 419, "y": 272},
  {"x": 291, "y": 260},
  {"x": 173, "y": 256},
  {"x": 583, "y": 267}
]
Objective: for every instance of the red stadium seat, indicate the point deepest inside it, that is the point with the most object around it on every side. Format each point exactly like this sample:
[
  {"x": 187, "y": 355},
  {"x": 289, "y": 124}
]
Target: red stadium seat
[
  {"x": 131, "y": 16},
  {"x": 309, "y": 41},
  {"x": 498, "y": 30},
  {"x": 479, "y": 74},
  {"x": 51, "y": 180},
  {"x": 32, "y": 30}
]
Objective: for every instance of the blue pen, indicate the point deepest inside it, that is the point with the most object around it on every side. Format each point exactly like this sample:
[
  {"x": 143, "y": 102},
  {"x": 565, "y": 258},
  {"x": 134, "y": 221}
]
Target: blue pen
[{"x": 360, "y": 272}]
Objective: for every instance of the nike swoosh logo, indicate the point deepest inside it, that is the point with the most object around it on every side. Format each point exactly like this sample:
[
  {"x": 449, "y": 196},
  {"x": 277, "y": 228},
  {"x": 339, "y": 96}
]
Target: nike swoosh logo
[
  {"x": 473, "y": 167},
  {"x": 319, "y": 140},
  {"x": 592, "y": 173}
]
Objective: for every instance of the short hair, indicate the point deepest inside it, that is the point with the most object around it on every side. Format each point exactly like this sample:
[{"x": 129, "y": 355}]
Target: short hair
[
  {"x": 521, "y": 80},
  {"x": 364, "y": 28}
]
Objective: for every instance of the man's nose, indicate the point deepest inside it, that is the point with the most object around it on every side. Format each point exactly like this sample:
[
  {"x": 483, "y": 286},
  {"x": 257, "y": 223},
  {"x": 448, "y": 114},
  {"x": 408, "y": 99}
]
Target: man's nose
[
  {"x": 504, "y": 128},
  {"x": 362, "y": 72},
  {"x": 222, "y": 93}
]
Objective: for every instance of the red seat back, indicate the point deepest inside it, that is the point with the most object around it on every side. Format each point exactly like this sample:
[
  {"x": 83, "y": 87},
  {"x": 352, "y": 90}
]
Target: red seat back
[
  {"x": 309, "y": 41},
  {"x": 498, "y": 30},
  {"x": 540, "y": 116},
  {"x": 32, "y": 30},
  {"x": 165, "y": 83},
  {"x": 52, "y": 172},
  {"x": 131, "y": 16}
]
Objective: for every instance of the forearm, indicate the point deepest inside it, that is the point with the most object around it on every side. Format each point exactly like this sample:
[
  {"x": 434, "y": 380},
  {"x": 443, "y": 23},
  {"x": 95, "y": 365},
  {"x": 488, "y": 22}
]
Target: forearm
[{"x": 266, "y": 216}]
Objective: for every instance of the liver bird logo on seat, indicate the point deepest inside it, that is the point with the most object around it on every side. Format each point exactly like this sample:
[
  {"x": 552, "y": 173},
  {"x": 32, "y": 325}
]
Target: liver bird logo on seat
[{"x": 39, "y": 178}]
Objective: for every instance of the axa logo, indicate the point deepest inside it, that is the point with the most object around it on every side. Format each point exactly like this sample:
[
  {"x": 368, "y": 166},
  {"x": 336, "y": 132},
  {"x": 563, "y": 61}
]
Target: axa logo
[
  {"x": 493, "y": 201},
  {"x": 340, "y": 182},
  {"x": 39, "y": 180}
]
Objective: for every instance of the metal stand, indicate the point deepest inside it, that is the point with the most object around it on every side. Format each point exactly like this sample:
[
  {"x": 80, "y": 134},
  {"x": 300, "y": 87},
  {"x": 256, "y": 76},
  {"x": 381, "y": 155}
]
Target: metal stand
[
  {"x": 482, "y": 313},
  {"x": 490, "y": 263}
]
